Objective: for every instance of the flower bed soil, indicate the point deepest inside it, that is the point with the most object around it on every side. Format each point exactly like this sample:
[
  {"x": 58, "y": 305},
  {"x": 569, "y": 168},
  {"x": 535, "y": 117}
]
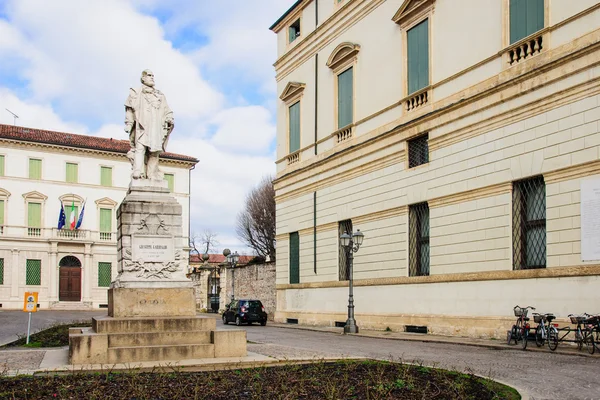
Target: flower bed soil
[{"x": 321, "y": 380}]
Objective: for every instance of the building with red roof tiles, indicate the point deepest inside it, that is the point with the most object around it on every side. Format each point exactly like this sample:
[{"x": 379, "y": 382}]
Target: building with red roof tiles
[{"x": 70, "y": 259}]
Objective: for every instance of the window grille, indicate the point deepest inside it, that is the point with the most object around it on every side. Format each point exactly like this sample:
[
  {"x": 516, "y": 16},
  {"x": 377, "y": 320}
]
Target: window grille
[
  {"x": 33, "y": 272},
  {"x": 529, "y": 224},
  {"x": 418, "y": 235},
  {"x": 1, "y": 271},
  {"x": 344, "y": 267},
  {"x": 104, "y": 274},
  {"x": 418, "y": 151}
]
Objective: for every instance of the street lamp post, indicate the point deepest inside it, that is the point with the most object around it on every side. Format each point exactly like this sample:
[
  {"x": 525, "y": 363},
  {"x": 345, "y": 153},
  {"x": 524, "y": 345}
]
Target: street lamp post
[
  {"x": 232, "y": 260},
  {"x": 351, "y": 245}
]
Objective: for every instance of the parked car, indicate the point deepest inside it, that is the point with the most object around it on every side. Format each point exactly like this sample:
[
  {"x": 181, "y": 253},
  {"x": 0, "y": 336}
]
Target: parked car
[{"x": 245, "y": 311}]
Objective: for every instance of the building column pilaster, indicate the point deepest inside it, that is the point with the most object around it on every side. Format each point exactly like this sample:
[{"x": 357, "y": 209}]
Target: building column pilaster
[
  {"x": 54, "y": 271},
  {"x": 14, "y": 287},
  {"x": 87, "y": 273}
]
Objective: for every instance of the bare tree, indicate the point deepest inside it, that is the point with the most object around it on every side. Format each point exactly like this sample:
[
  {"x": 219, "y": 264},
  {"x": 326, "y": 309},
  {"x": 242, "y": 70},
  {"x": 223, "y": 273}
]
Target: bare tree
[
  {"x": 203, "y": 243},
  {"x": 256, "y": 223}
]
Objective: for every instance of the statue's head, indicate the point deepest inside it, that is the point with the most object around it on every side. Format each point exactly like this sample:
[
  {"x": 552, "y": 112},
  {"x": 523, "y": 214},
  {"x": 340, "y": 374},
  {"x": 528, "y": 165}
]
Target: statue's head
[{"x": 147, "y": 77}]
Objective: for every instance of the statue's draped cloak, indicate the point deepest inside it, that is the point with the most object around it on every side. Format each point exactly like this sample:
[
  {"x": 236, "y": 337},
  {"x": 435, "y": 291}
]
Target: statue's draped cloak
[{"x": 150, "y": 113}]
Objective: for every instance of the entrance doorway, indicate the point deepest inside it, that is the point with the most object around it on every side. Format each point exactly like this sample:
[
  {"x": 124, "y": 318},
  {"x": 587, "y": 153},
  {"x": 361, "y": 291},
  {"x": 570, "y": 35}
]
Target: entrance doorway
[
  {"x": 69, "y": 287},
  {"x": 214, "y": 288}
]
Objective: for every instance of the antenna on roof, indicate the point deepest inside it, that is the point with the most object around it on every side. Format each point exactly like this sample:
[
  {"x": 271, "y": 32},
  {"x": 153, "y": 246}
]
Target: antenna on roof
[{"x": 15, "y": 116}]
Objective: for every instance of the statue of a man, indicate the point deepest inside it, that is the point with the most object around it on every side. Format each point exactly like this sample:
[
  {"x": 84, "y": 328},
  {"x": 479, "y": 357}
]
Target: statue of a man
[{"x": 149, "y": 122}]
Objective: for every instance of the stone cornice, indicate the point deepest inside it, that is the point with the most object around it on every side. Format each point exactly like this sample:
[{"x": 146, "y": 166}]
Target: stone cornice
[{"x": 543, "y": 273}]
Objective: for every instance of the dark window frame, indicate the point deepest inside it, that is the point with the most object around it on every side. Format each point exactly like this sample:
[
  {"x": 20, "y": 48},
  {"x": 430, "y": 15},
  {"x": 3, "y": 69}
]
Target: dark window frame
[
  {"x": 523, "y": 198},
  {"x": 418, "y": 240},
  {"x": 343, "y": 266},
  {"x": 418, "y": 151}
]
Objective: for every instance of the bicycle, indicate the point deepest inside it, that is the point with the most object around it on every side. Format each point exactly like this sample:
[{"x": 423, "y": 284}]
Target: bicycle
[
  {"x": 593, "y": 324},
  {"x": 520, "y": 330},
  {"x": 584, "y": 333},
  {"x": 546, "y": 331}
]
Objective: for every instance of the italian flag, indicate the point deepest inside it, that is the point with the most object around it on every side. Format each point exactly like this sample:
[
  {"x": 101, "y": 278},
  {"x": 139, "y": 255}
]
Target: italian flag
[{"x": 73, "y": 216}]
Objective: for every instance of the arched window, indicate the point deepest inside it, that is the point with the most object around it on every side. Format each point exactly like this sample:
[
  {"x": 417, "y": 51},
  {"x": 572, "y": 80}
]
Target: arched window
[{"x": 70, "y": 261}]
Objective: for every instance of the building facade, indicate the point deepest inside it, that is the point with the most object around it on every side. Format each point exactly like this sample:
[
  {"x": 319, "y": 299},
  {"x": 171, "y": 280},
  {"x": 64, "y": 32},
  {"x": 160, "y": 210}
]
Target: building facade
[
  {"x": 462, "y": 141},
  {"x": 42, "y": 171}
]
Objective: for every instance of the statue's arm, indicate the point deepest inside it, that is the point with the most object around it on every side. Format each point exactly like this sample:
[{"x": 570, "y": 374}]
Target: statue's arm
[{"x": 129, "y": 112}]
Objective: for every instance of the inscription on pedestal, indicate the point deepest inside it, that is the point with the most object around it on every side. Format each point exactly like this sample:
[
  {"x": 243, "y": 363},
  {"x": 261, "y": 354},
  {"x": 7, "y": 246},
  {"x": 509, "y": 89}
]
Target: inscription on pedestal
[{"x": 152, "y": 248}]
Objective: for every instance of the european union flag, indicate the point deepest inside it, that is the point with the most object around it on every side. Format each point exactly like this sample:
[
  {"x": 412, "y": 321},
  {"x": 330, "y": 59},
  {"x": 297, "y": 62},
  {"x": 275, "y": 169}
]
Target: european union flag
[{"x": 62, "y": 218}]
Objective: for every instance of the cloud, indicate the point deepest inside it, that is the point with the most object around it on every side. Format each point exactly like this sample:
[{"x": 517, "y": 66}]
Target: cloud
[{"x": 67, "y": 66}]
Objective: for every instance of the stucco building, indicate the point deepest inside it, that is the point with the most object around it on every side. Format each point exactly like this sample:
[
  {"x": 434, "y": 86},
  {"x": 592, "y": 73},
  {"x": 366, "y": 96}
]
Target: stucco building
[
  {"x": 462, "y": 138},
  {"x": 40, "y": 171}
]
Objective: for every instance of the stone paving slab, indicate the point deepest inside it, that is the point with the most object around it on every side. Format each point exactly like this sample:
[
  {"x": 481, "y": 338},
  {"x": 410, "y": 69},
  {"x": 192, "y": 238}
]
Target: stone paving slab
[{"x": 21, "y": 360}]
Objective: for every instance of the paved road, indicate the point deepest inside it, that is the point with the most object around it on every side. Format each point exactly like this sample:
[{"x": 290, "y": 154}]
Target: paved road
[
  {"x": 542, "y": 375},
  {"x": 14, "y": 323}
]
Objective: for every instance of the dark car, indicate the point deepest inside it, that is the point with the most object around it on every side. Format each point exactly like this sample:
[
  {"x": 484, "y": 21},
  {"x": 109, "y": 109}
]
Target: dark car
[{"x": 245, "y": 311}]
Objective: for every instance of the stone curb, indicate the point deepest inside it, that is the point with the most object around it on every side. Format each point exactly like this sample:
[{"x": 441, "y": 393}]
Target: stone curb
[{"x": 438, "y": 339}]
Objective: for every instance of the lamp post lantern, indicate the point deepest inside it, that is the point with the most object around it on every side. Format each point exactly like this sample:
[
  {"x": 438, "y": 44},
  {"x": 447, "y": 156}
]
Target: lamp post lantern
[
  {"x": 351, "y": 244},
  {"x": 232, "y": 260}
]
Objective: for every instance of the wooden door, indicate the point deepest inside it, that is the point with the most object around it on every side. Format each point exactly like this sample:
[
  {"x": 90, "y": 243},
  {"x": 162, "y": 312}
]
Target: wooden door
[{"x": 69, "y": 288}]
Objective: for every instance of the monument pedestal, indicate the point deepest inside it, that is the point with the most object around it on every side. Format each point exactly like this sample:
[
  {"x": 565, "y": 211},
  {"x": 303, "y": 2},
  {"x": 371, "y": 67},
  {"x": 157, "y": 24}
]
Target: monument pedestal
[{"x": 151, "y": 304}]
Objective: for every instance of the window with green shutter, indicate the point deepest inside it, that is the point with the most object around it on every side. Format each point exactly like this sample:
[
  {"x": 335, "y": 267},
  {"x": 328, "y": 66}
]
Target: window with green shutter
[
  {"x": 294, "y": 258},
  {"x": 294, "y": 127},
  {"x": 106, "y": 176},
  {"x": 345, "y": 97},
  {"x": 1, "y": 212},
  {"x": 105, "y": 220},
  {"x": 104, "y": 274},
  {"x": 33, "y": 272},
  {"x": 526, "y": 17},
  {"x": 35, "y": 168},
  {"x": 417, "y": 39},
  {"x": 170, "y": 178},
  {"x": 1, "y": 271},
  {"x": 72, "y": 172},
  {"x": 1, "y": 165},
  {"x": 34, "y": 215}
]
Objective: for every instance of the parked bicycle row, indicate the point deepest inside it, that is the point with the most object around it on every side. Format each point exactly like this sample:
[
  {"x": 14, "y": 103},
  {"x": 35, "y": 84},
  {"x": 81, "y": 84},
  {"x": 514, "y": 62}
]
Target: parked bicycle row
[{"x": 586, "y": 331}]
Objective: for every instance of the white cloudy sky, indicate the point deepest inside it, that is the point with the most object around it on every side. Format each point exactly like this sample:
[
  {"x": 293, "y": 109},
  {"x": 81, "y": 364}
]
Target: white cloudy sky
[{"x": 66, "y": 65}]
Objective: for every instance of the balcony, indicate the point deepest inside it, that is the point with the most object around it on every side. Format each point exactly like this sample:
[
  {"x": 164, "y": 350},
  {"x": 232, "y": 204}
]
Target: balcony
[{"x": 60, "y": 235}]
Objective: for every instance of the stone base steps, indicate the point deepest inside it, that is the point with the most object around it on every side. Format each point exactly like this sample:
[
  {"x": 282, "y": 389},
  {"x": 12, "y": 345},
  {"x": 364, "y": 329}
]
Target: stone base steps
[
  {"x": 148, "y": 325},
  {"x": 160, "y": 353},
  {"x": 71, "y": 306},
  {"x": 158, "y": 338}
]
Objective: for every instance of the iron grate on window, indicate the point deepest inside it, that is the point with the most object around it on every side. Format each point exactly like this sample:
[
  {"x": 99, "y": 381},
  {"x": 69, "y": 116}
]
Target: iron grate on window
[
  {"x": 1, "y": 271},
  {"x": 104, "y": 274},
  {"x": 33, "y": 272},
  {"x": 418, "y": 235},
  {"x": 344, "y": 267},
  {"x": 418, "y": 151},
  {"x": 529, "y": 223}
]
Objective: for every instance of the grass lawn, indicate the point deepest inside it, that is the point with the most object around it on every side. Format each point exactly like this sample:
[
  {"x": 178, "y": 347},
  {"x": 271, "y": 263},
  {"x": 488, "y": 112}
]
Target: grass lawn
[
  {"x": 54, "y": 336},
  {"x": 321, "y": 380}
]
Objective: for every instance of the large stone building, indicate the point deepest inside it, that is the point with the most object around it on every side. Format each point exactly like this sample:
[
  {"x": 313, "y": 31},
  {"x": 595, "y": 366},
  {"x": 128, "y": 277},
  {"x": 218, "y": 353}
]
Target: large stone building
[
  {"x": 40, "y": 171},
  {"x": 461, "y": 137}
]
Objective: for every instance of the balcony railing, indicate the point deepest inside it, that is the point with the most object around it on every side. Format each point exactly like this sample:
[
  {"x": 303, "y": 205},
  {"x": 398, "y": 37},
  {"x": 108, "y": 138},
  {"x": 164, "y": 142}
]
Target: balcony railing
[
  {"x": 525, "y": 49},
  {"x": 36, "y": 232},
  {"x": 71, "y": 234},
  {"x": 11, "y": 231},
  {"x": 293, "y": 158},
  {"x": 417, "y": 100},
  {"x": 106, "y": 236},
  {"x": 341, "y": 135}
]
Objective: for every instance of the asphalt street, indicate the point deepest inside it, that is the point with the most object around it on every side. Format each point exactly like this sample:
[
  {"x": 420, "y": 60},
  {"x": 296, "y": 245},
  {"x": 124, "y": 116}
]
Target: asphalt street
[{"x": 543, "y": 375}]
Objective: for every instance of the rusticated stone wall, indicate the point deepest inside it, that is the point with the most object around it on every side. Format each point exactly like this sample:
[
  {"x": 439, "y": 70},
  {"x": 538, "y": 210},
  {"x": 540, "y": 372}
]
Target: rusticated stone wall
[{"x": 251, "y": 282}]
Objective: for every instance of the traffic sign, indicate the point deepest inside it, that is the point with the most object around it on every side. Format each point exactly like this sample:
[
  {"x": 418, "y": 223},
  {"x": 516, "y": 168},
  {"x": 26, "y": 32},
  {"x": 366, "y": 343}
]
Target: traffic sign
[{"x": 30, "y": 303}]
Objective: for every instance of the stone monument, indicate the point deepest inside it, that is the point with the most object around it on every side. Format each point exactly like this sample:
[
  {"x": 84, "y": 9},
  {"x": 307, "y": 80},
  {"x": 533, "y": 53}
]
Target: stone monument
[{"x": 151, "y": 304}]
